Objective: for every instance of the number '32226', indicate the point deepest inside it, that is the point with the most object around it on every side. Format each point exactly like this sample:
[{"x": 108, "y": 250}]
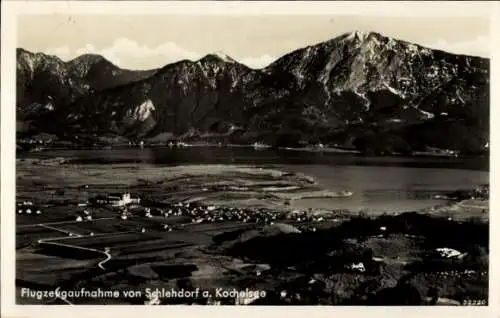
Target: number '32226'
[{"x": 474, "y": 302}]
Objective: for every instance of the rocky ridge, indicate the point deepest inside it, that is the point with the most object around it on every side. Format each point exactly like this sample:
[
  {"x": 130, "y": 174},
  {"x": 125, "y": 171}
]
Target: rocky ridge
[{"x": 361, "y": 90}]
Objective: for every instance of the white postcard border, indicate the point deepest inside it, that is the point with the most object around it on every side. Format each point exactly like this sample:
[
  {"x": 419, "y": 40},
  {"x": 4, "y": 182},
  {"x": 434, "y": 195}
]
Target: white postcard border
[{"x": 12, "y": 9}]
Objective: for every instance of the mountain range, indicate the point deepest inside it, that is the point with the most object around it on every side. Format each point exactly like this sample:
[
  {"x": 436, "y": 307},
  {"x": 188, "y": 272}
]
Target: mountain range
[{"x": 362, "y": 90}]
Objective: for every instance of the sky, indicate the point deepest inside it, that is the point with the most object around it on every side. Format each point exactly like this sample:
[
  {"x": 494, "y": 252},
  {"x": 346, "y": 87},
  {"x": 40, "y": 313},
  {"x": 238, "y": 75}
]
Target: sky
[{"x": 146, "y": 42}]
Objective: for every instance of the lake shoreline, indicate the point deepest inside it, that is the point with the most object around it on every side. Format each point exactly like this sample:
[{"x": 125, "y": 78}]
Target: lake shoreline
[{"x": 311, "y": 149}]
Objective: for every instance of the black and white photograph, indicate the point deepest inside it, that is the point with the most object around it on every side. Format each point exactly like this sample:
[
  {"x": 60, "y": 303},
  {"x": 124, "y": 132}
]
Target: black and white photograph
[{"x": 276, "y": 158}]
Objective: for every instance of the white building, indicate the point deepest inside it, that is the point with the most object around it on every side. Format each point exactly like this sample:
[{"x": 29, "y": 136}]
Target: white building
[{"x": 118, "y": 199}]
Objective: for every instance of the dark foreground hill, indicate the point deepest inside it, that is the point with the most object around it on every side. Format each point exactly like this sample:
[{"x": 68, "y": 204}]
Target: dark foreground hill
[{"x": 361, "y": 90}]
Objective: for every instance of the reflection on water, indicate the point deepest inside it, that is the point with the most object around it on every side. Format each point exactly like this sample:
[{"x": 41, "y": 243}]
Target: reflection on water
[
  {"x": 241, "y": 155},
  {"x": 378, "y": 183}
]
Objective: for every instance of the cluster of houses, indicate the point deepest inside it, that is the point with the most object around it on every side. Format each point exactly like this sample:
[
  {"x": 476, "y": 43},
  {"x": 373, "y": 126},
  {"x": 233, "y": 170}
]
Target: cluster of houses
[
  {"x": 303, "y": 216},
  {"x": 212, "y": 214},
  {"x": 177, "y": 144},
  {"x": 27, "y": 207},
  {"x": 85, "y": 215},
  {"x": 35, "y": 141},
  {"x": 140, "y": 143},
  {"x": 170, "y": 143}
]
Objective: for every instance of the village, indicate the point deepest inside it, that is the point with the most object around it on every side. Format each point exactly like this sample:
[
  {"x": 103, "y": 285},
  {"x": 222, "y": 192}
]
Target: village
[{"x": 128, "y": 206}]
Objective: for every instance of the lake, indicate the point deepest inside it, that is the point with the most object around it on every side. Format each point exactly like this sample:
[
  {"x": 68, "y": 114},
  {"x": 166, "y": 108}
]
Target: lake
[{"x": 379, "y": 183}]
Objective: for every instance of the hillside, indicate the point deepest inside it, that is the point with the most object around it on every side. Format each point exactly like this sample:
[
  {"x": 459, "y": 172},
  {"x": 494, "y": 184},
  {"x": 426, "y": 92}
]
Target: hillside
[{"x": 45, "y": 82}]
